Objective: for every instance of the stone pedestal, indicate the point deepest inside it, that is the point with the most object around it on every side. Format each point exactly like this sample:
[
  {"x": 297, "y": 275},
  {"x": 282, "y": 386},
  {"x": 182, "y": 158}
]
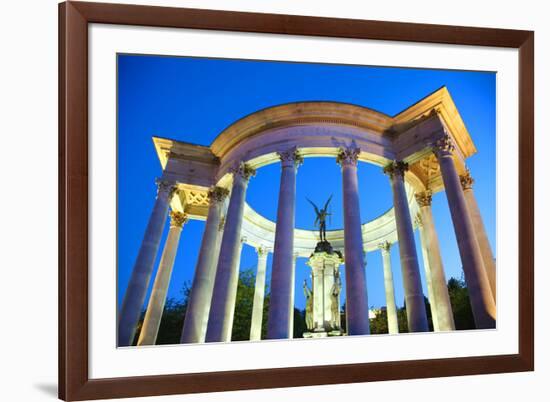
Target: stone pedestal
[{"x": 325, "y": 294}]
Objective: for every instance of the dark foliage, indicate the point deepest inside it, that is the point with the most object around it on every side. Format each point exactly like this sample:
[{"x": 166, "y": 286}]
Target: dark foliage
[{"x": 460, "y": 302}]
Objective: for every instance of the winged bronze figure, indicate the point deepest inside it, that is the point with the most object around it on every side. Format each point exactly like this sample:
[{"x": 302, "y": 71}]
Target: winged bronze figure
[{"x": 321, "y": 218}]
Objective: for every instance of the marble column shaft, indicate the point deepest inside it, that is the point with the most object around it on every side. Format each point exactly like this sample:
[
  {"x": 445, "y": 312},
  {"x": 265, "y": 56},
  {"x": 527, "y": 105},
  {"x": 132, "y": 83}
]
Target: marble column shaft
[
  {"x": 292, "y": 294},
  {"x": 357, "y": 308},
  {"x": 259, "y": 295},
  {"x": 157, "y": 300},
  {"x": 391, "y": 309},
  {"x": 219, "y": 325},
  {"x": 233, "y": 288},
  {"x": 428, "y": 273},
  {"x": 479, "y": 288},
  {"x": 442, "y": 301},
  {"x": 198, "y": 306},
  {"x": 414, "y": 297},
  {"x": 134, "y": 297},
  {"x": 481, "y": 234},
  {"x": 283, "y": 249}
]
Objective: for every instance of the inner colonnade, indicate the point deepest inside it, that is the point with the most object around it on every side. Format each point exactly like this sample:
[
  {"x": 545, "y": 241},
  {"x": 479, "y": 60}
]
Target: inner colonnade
[{"x": 422, "y": 150}]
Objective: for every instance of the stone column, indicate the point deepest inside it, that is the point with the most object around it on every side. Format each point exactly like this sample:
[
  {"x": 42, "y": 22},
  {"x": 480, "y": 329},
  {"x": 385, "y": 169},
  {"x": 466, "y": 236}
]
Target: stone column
[
  {"x": 442, "y": 301},
  {"x": 427, "y": 271},
  {"x": 391, "y": 309},
  {"x": 479, "y": 288},
  {"x": 132, "y": 304},
  {"x": 357, "y": 307},
  {"x": 292, "y": 295},
  {"x": 153, "y": 315},
  {"x": 283, "y": 249},
  {"x": 414, "y": 298},
  {"x": 467, "y": 182},
  {"x": 259, "y": 294},
  {"x": 233, "y": 288},
  {"x": 198, "y": 306},
  {"x": 219, "y": 321}
]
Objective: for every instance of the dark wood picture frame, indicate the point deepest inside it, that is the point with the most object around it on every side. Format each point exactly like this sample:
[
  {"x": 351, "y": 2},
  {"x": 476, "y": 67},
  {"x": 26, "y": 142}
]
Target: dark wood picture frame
[{"x": 74, "y": 382}]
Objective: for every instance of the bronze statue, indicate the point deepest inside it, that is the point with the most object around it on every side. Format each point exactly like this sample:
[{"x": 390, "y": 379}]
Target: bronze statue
[
  {"x": 320, "y": 219},
  {"x": 309, "y": 306}
]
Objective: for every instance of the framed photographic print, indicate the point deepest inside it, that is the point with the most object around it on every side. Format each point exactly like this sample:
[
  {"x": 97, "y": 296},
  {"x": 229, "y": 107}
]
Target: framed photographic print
[{"x": 260, "y": 200}]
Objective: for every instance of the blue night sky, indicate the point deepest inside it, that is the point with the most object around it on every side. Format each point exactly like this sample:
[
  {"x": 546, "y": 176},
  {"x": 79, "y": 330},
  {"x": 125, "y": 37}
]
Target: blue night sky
[{"x": 194, "y": 99}]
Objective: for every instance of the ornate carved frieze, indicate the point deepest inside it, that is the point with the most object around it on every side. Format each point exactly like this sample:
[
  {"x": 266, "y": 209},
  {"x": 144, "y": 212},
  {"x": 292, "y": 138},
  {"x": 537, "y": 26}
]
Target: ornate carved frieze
[
  {"x": 197, "y": 198},
  {"x": 243, "y": 170},
  {"x": 467, "y": 180},
  {"x": 217, "y": 194},
  {"x": 348, "y": 156},
  {"x": 444, "y": 146},
  {"x": 178, "y": 219},
  {"x": 291, "y": 157},
  {"x": 424, "y": 199},
  {"x": 396, "y": 168}
]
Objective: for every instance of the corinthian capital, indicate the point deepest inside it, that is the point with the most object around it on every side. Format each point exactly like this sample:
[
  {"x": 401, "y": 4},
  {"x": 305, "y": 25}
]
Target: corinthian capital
[
  {"x": 424, "y": 199},
  {"x": 444, "y": 146},
  {"x": 385, "y": 247},
  {"x": 217, "y": 194},
  {"x": 166, "y": 187},
  {"x": 348, "y": 156},
  {"x": 261, "y": 251},
  {"x": 291, "y": 157},
  {"x": 396, "y": 168},
  {"x": 178, "y": 219},
  {"x": 243, "y": 170},
  {"x": 467, "y": 180}
]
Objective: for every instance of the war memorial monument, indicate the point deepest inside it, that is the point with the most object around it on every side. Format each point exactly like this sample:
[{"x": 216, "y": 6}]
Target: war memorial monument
[{"x": 422, "y": 150}]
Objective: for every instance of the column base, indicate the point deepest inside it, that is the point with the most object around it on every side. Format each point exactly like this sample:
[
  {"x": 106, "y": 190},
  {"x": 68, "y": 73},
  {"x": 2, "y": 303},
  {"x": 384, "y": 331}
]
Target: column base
[{"x": 323, "y": 334}]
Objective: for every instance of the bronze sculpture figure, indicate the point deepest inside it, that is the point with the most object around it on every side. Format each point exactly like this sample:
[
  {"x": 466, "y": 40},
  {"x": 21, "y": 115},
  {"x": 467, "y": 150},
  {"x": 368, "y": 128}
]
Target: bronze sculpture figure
[{"x": 321, "y": 217}]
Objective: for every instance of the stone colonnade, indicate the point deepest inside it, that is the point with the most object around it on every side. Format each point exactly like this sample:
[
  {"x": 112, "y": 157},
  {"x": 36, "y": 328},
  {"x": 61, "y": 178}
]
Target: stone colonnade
[{"x": 209, "y": 316}]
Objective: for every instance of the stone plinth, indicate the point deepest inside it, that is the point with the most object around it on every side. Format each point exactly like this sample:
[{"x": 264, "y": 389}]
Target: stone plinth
[{"x": 325, "y": 294}]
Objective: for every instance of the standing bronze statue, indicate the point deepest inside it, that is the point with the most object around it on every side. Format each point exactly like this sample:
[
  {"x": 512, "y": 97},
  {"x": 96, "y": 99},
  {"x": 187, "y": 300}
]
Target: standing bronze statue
[{"x": 321, "y": 218}]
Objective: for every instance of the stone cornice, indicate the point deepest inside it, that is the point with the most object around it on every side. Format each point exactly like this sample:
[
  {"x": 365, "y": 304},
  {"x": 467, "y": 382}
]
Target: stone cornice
[{"x": 300, "y": 113}]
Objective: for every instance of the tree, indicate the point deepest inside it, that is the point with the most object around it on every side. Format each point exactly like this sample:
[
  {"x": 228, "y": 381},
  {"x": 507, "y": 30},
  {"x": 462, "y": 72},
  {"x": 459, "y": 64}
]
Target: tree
[
  {"x": 242, "y": 318},
  {"x": 379, "y": 324},
  {"x": 460, "y": 303}
]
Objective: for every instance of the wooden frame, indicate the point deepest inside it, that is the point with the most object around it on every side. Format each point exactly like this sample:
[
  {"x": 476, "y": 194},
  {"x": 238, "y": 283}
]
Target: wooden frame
[{"x": 74, "y": 18}]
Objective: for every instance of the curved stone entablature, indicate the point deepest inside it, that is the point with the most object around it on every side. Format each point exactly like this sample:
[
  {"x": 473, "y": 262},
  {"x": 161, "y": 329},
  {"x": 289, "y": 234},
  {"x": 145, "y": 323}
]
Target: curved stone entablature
[{"x": 319, "y": 129}]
